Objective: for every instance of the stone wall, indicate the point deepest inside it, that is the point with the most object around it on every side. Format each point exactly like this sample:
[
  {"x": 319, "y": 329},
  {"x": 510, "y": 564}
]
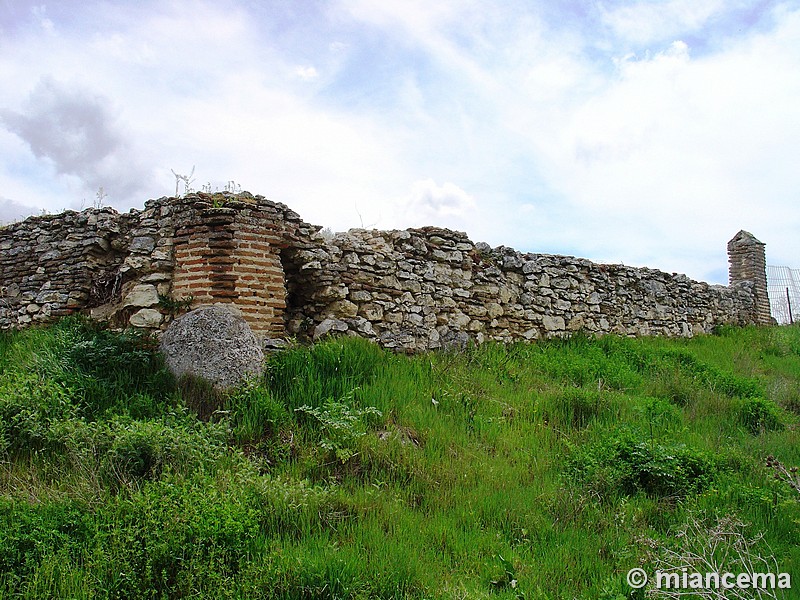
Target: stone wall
[
  {"x": 748, "y": 263},
  {"x": 134, "y": 269},
  {"x": 413, "y": 289},
  {"x": 430, "y": 287},
  {"x": 52, "y": 265}
]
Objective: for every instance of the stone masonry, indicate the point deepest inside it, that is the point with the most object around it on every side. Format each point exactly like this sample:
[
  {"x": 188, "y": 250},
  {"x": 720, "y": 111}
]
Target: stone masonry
[
  {"x": 411, "y": 290},
  {"x": 748, "y": 263},
  {"x": 431, "y": 287}
]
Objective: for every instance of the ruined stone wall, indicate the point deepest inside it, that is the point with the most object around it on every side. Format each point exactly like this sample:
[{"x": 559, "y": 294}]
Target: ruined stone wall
[
  {"x": 231, "y": 254},
  {"x": 748, "y": 263},
  {"x": 140, "y": 268},
  {"x": 414, "y": 289},
  {"x": 51, "y": 265},
  {"x": 430, "y": 287}
]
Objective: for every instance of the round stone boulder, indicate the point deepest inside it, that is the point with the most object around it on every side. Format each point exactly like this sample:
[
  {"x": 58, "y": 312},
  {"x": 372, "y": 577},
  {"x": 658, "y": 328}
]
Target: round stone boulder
[{"x": 213, "y": 343}]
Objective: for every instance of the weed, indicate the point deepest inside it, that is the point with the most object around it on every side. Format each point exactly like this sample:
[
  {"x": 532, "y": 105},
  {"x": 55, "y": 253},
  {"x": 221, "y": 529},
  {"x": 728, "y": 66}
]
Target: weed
[
  {"x": 758, "y": 415},
  {"x": 332, "y": 369},
  {"x": 29, "y": 405},
  {"x": 340, "y": 424},
  {"x": 200, "y": 395},
  {"x": 142, "y": 450},
  {"x": 789, "y": 476},
  {"x": 576, "y": 407},
  {"x": 718, "y": 548},
  {"x": 30, "y": 532},
  {"x": 174, "y": 307},
  {"x": 187, "y": 182},
  {"x": 254, "y": 413},
  {"x": 624, "y": 464}
]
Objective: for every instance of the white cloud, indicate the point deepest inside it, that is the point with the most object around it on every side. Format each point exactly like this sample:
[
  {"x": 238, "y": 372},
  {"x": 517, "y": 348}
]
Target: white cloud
[
  {"x": 186, "y": 87},
  {"x": 428, "y": 203},
  {"x": 690, "y": 149},
  {"x": 40, "y": 12},
  {"x": 563, "y": 145},
  {"x": 77, "y": 132},
  {"x": 11, "y": 211},
  {"x": 645, "y": 21},
  {"x": 306, "y": 73}
]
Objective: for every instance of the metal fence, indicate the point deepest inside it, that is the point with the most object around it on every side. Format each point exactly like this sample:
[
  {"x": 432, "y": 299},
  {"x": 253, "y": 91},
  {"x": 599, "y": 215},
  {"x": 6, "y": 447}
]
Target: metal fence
[{"x": 783, "y": 287}]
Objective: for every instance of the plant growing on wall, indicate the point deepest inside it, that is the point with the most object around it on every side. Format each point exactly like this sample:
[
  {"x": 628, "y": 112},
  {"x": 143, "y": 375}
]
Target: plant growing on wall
[
  {"x": 187, "y": 182},
  {"x": 172, "y": 306},
  {"x": 101, "y": 195}
]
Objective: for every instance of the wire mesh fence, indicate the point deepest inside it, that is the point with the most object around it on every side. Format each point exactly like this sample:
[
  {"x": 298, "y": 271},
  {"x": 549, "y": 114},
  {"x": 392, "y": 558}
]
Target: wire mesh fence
[{"x": 783, "y": 287}]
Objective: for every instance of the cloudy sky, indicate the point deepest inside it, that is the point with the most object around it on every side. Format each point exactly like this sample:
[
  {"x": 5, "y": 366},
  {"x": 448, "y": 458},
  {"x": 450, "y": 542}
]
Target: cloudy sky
[{"x": 644, "y": 132}]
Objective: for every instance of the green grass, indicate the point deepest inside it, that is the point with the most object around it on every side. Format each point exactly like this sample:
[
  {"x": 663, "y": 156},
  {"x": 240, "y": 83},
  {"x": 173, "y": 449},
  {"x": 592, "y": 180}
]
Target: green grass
[{"x": 529, "y": 471}]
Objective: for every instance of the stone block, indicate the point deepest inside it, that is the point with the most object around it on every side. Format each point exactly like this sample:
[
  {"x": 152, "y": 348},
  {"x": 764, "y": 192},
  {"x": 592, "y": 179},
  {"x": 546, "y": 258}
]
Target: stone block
[
  {"x": 142, "y": 245},
  {"x": 328, "y": 326},
  {"x": 553, "y": 323},
  {"x": 143, "y": 294},
  {"x": 494, "y": 310},
  {"x": 342, "y": 309},
  {"x": 371, "y": 311},
  {"x": 146, "y": 318}
]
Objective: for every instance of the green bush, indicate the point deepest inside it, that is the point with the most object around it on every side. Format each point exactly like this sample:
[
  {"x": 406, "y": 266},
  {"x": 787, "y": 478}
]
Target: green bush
[
  {"x": 675, "y": 387},
  {"x": 658, "y": 415},
  {"x": 161, "y": 533},
  {"x": 584, "y": 361},
  {"x": 105, "y": 368},
  {"x": 758, "y": 415},
  {"x": 31, "y": 531},
  {"x": 142, "y": 450},
  {"x": 98, "y": 369},
  {"x": 688, "y": 364},
  {"x": 624, "y": 464},
  {"x": 340, "y": 424}
]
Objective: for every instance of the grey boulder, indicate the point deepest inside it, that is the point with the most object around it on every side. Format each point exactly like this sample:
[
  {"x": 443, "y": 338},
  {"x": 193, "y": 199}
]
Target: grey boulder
[{"x": 213, "y": 343}]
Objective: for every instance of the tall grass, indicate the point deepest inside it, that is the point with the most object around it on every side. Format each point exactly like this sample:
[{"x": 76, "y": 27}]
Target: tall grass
[{"x": 541, "y": 470}]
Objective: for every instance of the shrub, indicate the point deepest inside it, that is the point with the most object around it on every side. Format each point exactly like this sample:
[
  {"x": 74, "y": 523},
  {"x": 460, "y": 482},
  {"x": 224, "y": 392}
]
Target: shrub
[
  {"x": 660, "y": 416},
  {"x": 689, "y": 365},
  {"x": 104, "y": 368},
  {"x": 624, "y": 464},
  {"x": 142, "y": 450},
  {"x": 99, "y": 369},
  {"x": 584, "y": 361},
  {"x": 758, "y": 415},
  {"x": 340, "y": 425},
  {"x": 31, "y": 531},
  {"x": 161, "y": 533},
  {"x": 675, "y": 387}
]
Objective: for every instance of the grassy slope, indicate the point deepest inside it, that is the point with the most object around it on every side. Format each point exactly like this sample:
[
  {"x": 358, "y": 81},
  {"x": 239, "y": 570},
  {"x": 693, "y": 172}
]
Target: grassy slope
[{"x": 530, "y": 471}]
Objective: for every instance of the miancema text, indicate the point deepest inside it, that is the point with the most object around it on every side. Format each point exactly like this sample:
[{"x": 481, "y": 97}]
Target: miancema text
[{"x": 684, "y": 579}]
